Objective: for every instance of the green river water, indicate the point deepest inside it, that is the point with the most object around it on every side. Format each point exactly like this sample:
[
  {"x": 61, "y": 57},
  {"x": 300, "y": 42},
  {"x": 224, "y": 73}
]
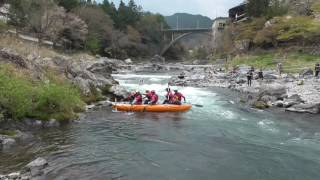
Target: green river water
[{"x": 222, "y": 141}]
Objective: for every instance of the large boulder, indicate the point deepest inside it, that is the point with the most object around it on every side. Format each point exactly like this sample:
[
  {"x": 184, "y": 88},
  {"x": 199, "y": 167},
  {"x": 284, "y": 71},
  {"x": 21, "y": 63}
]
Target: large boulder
[
  {"x": 10, "y": 56},
  {"x": 277, "y": 90},
  {"x": 158, "y": 59},
  {"x": 242, "y": 45},
  {"x": 292, "y": 100},
  {"x": 91, "y": 74},
  {"x": 243, "y": 69},
  {"x": 289, "y": 78},
  {"x": 305, "y": 108},
  {"x": 270, "y": 76},
  {"x": 260, "y": 105},
  {"x": 37, "y": 163},
  {"x": 240, "y": 80},
  {"x": 36, "y": 167},
  {"x": 196, "y": 62},
  {"x": 119, "y": 91},
  {"x": 14, "y": 175},
  {"x": 128, "y": 61},
  {"x": 306, "y": 73},
  {"x": 268, "y": 99}
]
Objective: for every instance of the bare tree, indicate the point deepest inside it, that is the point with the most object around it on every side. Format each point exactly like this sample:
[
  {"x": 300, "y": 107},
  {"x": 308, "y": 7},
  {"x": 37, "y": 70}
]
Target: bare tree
[
  {"x": 74, "y": 32},
  {"x": 44, "y": 18}
]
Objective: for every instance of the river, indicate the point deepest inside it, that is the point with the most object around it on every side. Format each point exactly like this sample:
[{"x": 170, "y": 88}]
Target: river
[{"x": 221, "y": 140}]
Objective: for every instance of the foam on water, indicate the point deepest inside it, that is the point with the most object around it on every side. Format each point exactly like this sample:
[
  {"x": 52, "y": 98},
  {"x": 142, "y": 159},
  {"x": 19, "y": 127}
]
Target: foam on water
[
  {"x": 128, "y": 76},
  {"x": 267, "y": 125},
  {"x": 160, "y": 83}
]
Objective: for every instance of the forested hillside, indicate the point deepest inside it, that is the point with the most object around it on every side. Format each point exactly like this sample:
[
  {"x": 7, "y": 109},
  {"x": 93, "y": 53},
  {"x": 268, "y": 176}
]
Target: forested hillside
[{"x": 118, "y": 32}]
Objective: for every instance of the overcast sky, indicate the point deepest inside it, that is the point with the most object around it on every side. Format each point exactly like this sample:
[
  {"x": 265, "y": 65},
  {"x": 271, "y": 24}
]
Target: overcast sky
[{"x": 210, "y": 8}]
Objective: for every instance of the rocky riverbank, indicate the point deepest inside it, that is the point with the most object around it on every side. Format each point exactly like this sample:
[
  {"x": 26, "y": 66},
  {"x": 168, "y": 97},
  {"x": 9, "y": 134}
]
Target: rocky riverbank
[
  {"x": 33, "y": 170},
  {"x": 86, "y": 72},
  {"x": 92, "y": 75},
  {"x": 292, "y": 92}
]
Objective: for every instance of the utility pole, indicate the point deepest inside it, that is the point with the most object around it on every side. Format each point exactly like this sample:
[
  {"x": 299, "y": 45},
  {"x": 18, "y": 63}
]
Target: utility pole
[{"x": 197, "y": 23}]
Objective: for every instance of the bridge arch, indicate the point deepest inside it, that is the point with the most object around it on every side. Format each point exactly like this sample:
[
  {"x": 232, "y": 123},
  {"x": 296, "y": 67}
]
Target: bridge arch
[{"x": 166, "y": 48}]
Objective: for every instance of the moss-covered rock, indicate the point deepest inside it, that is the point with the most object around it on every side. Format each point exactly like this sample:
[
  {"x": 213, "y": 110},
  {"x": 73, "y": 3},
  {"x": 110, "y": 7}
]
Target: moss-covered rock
[
  {"x": 260, "y": 105},
  {"x": 8, "y": 133}
]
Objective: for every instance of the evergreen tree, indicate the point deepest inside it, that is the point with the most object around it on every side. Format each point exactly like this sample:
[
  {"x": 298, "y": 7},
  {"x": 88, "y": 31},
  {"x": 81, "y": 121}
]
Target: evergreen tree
[
  {"x": 134, "y": 13},
  {"x": 123, "y": 16},
  {"x": 258, "y": 8},
  {"x": 68, "y": 4},
  {"x": 277, "y": 8},
  {"x": 17, "y": 14},
  {"x": 2, "y": 2},
  {"x": 106, "y": 6},
  {"x": 110, "y": 9}
]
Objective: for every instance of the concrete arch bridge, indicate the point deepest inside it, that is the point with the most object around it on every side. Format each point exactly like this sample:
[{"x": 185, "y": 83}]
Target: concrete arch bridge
[{"x": 177, "y": 34}]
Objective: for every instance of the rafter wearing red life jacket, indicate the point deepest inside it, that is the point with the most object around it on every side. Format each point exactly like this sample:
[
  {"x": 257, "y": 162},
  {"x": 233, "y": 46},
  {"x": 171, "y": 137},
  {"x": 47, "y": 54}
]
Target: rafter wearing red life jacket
[
  {"x": 138, "y": 99},
  {"x": 178, "y": 97},
  {"x": 154, "y": 98}
]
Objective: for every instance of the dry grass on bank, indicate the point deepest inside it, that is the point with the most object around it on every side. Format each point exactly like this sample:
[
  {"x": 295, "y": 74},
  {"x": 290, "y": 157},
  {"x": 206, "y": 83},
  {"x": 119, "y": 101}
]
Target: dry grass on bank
[
  {"x": 292, "y": 62},
  {"x": 25, "y": 48}
]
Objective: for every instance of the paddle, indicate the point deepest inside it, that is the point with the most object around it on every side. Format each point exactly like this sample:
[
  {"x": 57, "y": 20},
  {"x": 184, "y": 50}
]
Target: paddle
[{"x": 197, "y": 105}]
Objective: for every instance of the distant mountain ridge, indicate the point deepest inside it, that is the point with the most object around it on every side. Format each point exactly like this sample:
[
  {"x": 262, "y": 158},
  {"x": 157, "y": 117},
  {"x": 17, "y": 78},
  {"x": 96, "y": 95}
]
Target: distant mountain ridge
[{"x": 186, "y": 21}]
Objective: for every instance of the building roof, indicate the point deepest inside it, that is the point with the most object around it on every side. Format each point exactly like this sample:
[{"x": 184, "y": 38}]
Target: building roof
[{"x": 242, "y": 5}]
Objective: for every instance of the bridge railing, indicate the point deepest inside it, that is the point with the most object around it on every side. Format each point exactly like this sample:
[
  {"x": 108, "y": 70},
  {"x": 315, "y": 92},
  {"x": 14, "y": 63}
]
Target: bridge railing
[{"x": 187, "y": 30}]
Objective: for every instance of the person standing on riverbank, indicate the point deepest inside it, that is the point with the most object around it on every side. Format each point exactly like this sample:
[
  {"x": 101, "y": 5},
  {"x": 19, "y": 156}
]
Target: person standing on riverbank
[
  {"x": 317, "y": 70},
  {"x": 260, "y": 74},
  {"x": 249, "y": 77},
  {"x": 280, "y": 69}
]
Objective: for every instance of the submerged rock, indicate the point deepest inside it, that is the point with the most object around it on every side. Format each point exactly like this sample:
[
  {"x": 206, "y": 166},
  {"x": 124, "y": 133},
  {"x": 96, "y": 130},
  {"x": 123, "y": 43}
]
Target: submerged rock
[
  {"x": 6, "y": 142},
  {"x": 37, "y": 163},
  {"x": 35, "y": 168},
  {"x": 305, "y": 108},
  {"x": 14, "y": 175},
  {"x": 51, "y": 123}
]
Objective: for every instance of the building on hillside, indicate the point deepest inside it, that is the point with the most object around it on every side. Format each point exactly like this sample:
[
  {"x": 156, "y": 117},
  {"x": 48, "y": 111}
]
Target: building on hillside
[
  {"x": 4, "y": 11},
  {"x": 218, "y": 32},
  {"x": 220, "y": 23},
  {"x": 238, "y": 13}
]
